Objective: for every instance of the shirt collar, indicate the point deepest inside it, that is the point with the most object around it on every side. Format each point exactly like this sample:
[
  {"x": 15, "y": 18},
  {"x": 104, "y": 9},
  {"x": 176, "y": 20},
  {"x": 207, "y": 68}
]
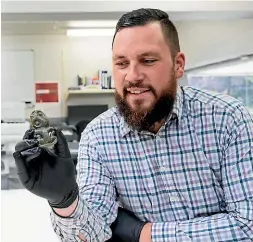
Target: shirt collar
[
  {"x": 178, "y": 106},
  {"x": 175, "y": 114},
  {"x": 124, "y": 127}
]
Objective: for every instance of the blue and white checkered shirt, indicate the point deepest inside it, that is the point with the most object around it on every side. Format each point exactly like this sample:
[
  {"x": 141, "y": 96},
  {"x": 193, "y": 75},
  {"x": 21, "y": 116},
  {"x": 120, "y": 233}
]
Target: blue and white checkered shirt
[{"x": 193, "y": 179}]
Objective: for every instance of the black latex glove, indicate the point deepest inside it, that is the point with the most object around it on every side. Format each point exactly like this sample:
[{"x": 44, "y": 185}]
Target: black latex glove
[
  {"x": 47, "y": 174},
  {"x": 127, "y": 227}
]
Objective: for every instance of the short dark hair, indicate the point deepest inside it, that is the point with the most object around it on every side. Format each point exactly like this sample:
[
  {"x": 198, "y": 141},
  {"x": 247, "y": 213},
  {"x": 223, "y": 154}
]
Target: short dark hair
[{"x": 143, "y": 16}]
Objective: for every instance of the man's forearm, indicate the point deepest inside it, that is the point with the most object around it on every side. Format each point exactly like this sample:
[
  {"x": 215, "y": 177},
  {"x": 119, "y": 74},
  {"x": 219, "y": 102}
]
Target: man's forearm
[
  {"x": 218, "y": 227},
  {"x": 128, "y": 228},
  {"x": 80, "y": 223},
  {"x": 146, "y": 233}
]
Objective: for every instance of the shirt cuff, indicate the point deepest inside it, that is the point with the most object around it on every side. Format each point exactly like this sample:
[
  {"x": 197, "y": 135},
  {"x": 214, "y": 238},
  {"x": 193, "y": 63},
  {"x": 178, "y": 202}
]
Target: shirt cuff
[
  {"x": 74, "y": 223},
  {"x": 82, "y": 222},
  {"x": 164, "y": 232}
]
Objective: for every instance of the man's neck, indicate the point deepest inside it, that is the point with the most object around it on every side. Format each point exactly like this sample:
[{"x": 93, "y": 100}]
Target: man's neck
[{"x": 156, "y": 127}]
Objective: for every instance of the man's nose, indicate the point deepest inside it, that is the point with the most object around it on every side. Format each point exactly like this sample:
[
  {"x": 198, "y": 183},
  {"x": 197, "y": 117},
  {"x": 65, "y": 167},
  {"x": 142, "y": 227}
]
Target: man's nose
[{"x": 134, "y": 74}]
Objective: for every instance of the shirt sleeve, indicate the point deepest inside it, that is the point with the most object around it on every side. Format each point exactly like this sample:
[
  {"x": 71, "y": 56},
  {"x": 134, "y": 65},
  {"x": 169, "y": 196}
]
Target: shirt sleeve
[
  {"x": 97, "y": 207},
  {"x": 236, "y": 222}
]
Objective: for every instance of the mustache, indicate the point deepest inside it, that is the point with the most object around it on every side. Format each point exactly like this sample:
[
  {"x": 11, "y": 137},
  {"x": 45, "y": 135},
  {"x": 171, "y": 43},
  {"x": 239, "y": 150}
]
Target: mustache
[{"x": 137, "y": 85}]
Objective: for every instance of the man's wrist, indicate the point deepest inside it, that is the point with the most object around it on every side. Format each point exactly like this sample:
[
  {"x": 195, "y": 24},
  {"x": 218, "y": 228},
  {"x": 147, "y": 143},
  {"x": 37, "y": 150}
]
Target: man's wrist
[
  {"x": 66, "y": 212},
  {"x": 67, "y": 200},
  {"x": 145, "y": 235}
]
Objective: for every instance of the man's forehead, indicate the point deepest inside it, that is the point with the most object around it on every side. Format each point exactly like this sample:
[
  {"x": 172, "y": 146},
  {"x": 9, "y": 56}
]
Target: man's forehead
[{"x": 141, "y": 39}]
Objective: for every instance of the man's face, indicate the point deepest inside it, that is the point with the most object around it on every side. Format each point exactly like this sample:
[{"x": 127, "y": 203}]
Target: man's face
[{"x": 144, "y": 73}]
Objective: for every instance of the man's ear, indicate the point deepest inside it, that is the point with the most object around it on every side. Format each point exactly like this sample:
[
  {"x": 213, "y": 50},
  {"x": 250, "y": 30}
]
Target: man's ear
[{"x": 179, "y": 64}]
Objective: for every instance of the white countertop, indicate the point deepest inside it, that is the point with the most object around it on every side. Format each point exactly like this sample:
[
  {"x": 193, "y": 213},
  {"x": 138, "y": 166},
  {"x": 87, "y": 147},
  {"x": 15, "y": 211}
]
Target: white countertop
[{"x": 25, "y": 217}]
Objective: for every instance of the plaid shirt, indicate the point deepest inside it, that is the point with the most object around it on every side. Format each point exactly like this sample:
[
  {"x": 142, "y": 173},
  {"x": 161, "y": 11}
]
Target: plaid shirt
[{"x": 193, "y": 179}]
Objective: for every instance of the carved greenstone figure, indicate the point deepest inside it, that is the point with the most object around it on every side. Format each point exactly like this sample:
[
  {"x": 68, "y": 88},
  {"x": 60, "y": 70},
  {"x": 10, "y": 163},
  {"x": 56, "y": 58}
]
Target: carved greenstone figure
[{"x": 43, "y": 132}]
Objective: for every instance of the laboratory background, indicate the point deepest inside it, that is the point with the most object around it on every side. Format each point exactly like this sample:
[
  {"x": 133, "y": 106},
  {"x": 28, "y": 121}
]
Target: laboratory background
[{"x": 56, "y": 57}]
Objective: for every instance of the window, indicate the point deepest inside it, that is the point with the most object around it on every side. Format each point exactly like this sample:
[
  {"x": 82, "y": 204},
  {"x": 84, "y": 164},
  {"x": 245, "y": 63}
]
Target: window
[{"x": 234, "y": 79}]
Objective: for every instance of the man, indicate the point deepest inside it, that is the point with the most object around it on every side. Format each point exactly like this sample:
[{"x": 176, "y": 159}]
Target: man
[{"x": 169, "y": 163}]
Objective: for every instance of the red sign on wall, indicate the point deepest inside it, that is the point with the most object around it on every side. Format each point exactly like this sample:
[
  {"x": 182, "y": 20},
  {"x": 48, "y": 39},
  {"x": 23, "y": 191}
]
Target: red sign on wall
[{"x": 46, "y": 92}]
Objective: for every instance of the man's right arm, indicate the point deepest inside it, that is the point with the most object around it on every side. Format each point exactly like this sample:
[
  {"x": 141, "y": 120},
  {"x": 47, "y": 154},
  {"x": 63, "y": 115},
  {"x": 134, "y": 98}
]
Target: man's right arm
[
  {"x": 91, "y": 215},
  {"x": 86, "y": 206}
]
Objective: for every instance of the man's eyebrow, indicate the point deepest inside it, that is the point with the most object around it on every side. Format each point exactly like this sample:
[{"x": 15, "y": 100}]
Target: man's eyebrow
[
  {"x": 118, "y": 57},
  {"x": 149, "y": 53}
]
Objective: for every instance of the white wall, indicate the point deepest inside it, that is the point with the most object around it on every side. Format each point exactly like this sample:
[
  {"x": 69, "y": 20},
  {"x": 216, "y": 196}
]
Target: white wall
[
  {"x": 209, "y": 42},
  {"x": 60, "y": 58}
]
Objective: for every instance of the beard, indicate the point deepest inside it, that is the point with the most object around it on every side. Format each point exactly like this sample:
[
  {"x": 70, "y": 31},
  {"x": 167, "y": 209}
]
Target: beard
[{"x": 145, "y": 119}]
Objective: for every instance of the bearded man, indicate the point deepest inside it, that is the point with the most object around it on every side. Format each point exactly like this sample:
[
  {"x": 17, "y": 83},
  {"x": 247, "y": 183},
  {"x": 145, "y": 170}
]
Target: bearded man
[{"x": 168, "y": 163}]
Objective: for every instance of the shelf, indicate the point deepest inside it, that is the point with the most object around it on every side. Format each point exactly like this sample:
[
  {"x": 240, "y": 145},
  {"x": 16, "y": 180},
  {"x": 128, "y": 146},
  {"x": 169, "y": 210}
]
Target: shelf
[{"x": 91, "y": 91}]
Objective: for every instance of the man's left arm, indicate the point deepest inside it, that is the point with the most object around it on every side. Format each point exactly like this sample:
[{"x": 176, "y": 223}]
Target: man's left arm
[{"x": 236, "y": 222}]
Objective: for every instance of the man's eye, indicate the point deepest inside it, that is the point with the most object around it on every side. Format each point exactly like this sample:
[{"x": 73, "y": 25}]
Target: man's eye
[
  {"x": 148, "y": 61},
  {"x": 121, "y": 64}
]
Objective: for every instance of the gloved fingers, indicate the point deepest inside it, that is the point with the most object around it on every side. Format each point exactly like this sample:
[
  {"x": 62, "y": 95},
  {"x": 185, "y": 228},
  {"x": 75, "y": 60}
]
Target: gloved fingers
[
  {"x": 28, "y": 149},
  {"x": 29, "y": 134},
  {"x": 26, "y": 144},
  {"x": 21, "y": 167},
  {"x": 61, "y": 146},
  {"x": 50, "y": 152}
]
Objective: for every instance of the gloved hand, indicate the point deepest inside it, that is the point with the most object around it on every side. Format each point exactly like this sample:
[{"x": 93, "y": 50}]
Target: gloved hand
[
  {"x": 127, "y": 227},
  {"x": 50, "y": 175}
]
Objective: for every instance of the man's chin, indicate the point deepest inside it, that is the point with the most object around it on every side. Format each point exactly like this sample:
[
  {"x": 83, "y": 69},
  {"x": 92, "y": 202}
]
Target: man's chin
[
  {"x": 139, "y": 113},
  {"x": 140, "y": 106},
  {"x": 142, "y": 113}
]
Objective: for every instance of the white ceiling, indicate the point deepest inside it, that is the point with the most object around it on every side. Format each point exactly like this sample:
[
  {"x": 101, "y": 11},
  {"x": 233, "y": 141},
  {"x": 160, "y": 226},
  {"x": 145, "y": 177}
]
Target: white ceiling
[
  {"x": 47, "y": 6},
  {"x": 54, "y": 17}
]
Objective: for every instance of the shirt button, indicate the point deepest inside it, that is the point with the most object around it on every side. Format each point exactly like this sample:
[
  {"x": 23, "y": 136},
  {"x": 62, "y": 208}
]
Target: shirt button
[
  {"x": 174, "y": 198},
  {"x": 164, "y": 169}
]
